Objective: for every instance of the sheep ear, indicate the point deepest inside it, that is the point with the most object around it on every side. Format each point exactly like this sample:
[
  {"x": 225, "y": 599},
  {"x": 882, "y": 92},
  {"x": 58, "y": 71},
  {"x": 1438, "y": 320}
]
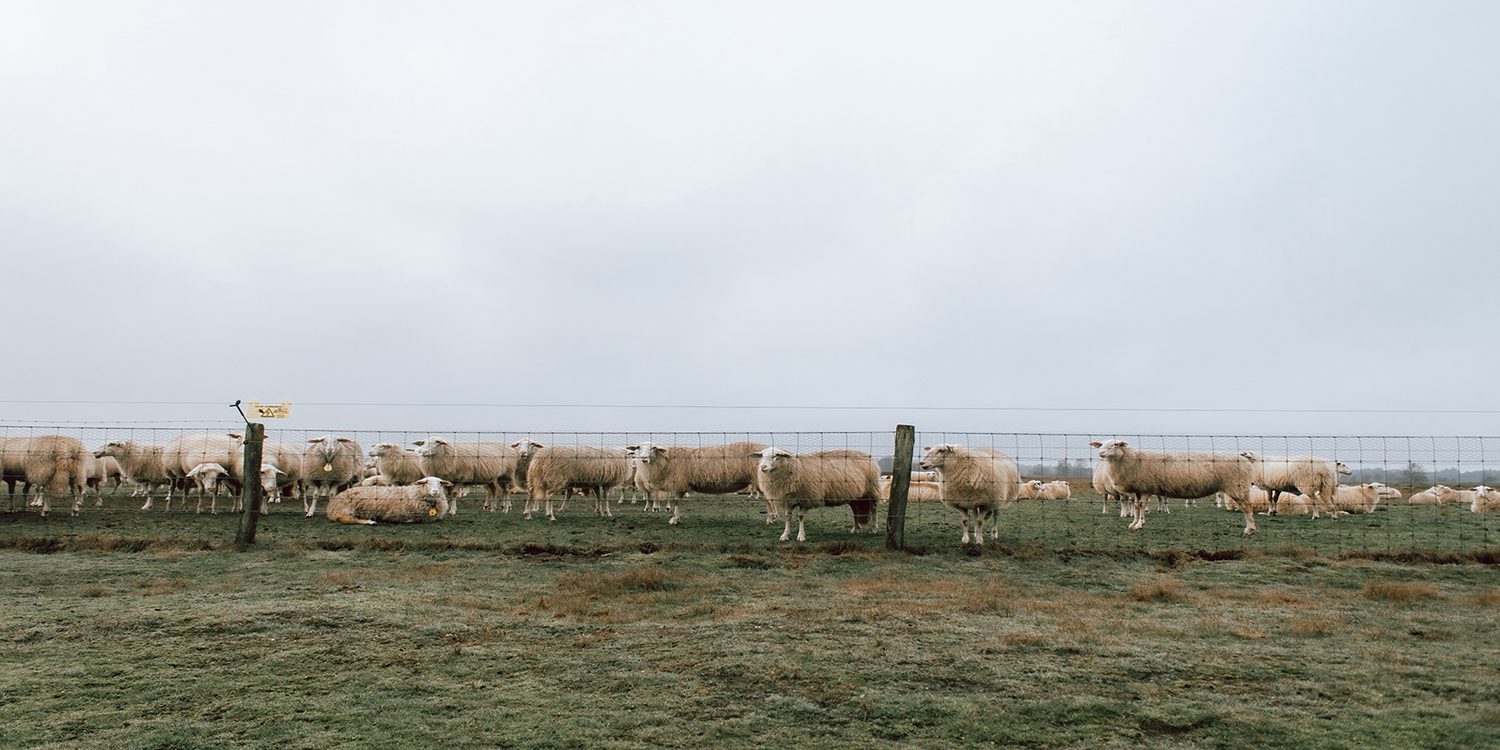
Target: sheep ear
[
  {"x": 447, "y": 484},
  {"x": 344, "y": 440},
  {"x": 233, "y": 435},
  {"x": 315, "y": 440},
  {"x": 631, "y": 448},
  {"x": 279, "y": 471},
  {"x": 658, "y": 449},
  {"x": 1095, "y": 444},
  {"x": 419, "y": 442},
  {"x": 196, "y": 470}
]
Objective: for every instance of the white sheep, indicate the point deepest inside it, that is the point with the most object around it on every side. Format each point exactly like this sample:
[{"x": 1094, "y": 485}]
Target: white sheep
[
  {"x": 329, "y": 464},
  {"x": 674, "y": 471},
  {"x": 919, "y": 491},
  {"x": 977, "y": 482},
  {"x": 1485, "y": 500},
  {"x": 1140, "y": 473},
  {"x": 206, "y": 477},
  {"x": 54, "y": 466},
  {"x": 525, "y": 449},
  {"x": 184, "y": 453},
  {"x": 1027, "y": 490},
  {"x": 102, "y": 471},
  {"x": 1260, "y": 502},
  {"x": 1437, "y": 494},
  {"x": 420, "y": 502},
  {"x": 483, "y": 464},
  {"x": 819, "y": 480},
  {"x": 141, "y": 465},
  {"x": 1361, "y": 498},
  {"x": 395, "y": 465},
  {"x": 1056, "y": 490},
  {"x": 558, "y": 468},
  {"x": 1317, "y": 478}
]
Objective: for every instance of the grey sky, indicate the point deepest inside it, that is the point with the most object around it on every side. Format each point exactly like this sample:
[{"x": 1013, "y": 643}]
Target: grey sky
[{"x": 1163, "y": 205}]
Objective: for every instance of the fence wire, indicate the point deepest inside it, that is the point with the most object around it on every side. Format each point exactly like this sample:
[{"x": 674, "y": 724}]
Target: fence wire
[{"x": 1080, "y": 519}]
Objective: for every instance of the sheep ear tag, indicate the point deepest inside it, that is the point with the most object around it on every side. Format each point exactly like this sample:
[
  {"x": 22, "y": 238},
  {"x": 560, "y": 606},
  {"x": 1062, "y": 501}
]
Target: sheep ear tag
[
  {"x": 327, "y": 467},
  {"x": 432, "y": 511}
]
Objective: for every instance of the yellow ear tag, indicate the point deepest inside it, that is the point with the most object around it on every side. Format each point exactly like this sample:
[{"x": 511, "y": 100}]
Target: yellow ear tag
[
  {"x": 432, "y": 511},
  {"x": 327, "y": 467}
]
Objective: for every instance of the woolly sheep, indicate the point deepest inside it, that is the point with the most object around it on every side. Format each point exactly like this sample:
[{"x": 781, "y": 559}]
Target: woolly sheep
[
  {"x": 55, "y": 465},
  {"x": 422, "y": 501},
  {"x": 206, "y": 477},
  {"x": 1027, "y": 490},
  {"x": 395, "y": 465},
  {"x": 1140, "y": 473},
  {"x": 1058, "y": 490},
  {"x": 329, "y": 464},
  {"x": 184, "y": 453},
  {"x": 1361, "y": 498},
  {"x": 488, "y": 465},
  {"x": 977, "y": 482},
  {"x": 1260, "y": 502},
  {"x": 141, "y": 465},
  {"x": 818, "y": 480},
  {"x": 525, "y": 449},
  {"x": 286, "y": 458},
  {"x": 558, "y": 468},
  {"x": 102, "y": 471},
  {"x": 917, "y": 491},
  {"x": 1437, "y": 494},
  {"x": 711, "y": 470},
  {"x": 1317, "y": 478},
  {"x": 1485, "y": 500}
]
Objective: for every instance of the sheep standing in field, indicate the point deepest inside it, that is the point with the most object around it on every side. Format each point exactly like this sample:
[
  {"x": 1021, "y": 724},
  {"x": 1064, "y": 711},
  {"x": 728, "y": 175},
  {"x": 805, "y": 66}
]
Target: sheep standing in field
[
  {"x": 482, "y": 464},
  {"x": 184, "y": 453},
  {"x": 525, "y": 449},
  {"x": 103, "y": 470},
  {"x": 1317, "y": 478},
  {"x": 1437, "y": 494},
  {"x": 819, "y": 480},
  {"x": 420, "y": 502},
  {"x": 141, "y": 465},
  {"x": 675, "y": 471},
  {"x": 394, "y": 465},
  {"x": 286, "y": 458},
  {"x": 1141, "y": 473},
  {"x": 13, "y": 466},
  {"x": 329, "y": 465},
  {"x": 56, "y": 465},
  {"x": 977, "y": 482},
  {"x": 558, "y": 468}
]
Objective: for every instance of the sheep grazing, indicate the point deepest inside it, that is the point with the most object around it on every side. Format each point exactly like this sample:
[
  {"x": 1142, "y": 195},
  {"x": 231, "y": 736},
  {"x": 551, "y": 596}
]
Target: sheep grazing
[
  {"x": 1317, "y": 478},
  {"x": 1437, "y": 494},
  {"x": 141, "y": 465},
  {"x": 420, "y": 502},
  {"x": 819, "y": 480},
  {"x": 1187, "y": 475},
  {"x": 329, "y": 465},
  {"x": 55, "y": 465},
  {"x": 487, "y": 465},
  {"x": 977, "y": 482},
  {"x": 558, "y": 468},
  {"x": 674, "y": 471},
  {"x": 394, "y": 465}
]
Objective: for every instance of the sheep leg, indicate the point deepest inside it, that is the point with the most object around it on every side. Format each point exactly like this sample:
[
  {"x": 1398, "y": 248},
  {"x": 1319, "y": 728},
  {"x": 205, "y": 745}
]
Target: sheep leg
[
  {"x": 312, "y": 510},
  {"x": 801, "y": 524},
  {"x": 1140, "y": 503},
  {"x": 980, "y": 516},
  {"x": 676, "y": 502},
  {"x": 786, "y": 531},
  {"x": 353, "y": 520},
  {"x": 1244, "y": 501},
  {"x": 1275, "y": 495},
  {"x": 963, "y": 522}
]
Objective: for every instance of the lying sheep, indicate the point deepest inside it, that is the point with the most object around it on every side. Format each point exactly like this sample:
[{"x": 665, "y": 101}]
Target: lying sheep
[
  {"x": 977, "y": 482},
  {"x": 481, "y": 464},
  {"x": 558, "y": 468},
  {"x": 329, "y": 465},
  {"x": 394, "y": 465},
  {"x": 1485, "y": 500},
  {"x": 1361, "y": 498},
  {"x": 1317, "y": 478},
  {"x": 1058, "y": 490},
  {"x": 918, "y": 491},
  {"x": 819, "y": 480},
  {"x": 1437, "y": 494},
  {"x": 420, "y": 502},
  {"x": 1140, "y": 473},
  {"x": 1027, "y": 490},
  {"x": 55, "y": 465},
  {"x": 674, "y": 471},
  {"x": 1260, "y": 502}
]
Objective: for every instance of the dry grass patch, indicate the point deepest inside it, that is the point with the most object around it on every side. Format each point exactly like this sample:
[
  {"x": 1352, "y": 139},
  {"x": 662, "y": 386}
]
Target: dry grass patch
[
  {"x": 625, "y": 595},
  {"x": 340, "y": 578},
  {"x": 1399, "y": 591},
  {"x": 96, "y": 591},
  {"x": 1310, "y": 626},
  {"x": 1489, "y": 597},
  {"x": 1160, "y": 589}
]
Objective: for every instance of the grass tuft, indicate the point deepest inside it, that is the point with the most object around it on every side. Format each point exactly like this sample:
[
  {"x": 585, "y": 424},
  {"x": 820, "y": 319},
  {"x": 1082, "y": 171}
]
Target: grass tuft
[
  {"x": 1399, "y": 591},
  {"x": 1159, "y": 589}
]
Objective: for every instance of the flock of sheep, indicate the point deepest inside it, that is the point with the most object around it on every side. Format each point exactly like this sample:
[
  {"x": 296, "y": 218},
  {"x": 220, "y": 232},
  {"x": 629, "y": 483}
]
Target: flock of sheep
[{"x": 397, "y": 484}]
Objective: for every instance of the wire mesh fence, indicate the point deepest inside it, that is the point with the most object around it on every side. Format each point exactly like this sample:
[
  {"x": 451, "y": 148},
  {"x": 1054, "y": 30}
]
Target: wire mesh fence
[{"x": 1054, "y": 505}]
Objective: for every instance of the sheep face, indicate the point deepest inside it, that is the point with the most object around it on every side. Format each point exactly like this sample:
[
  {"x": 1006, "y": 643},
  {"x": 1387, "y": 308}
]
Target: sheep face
[
  {"x": 1343, "y": 469},
  {"x": 382, "y": 450},
  {"x": 526, "y": 447},
  {"x": 772, "y": 459},
  {"x": 268, "y": 482},
  {"x": 647, "y": 453},
  {"x": 207, "y": 476},
  {"x": 934, "y": 457},
  {"x": 1111, "y": 449},
  {"x": 113, "y": 448},
  {"x": 432, "y": 446}
]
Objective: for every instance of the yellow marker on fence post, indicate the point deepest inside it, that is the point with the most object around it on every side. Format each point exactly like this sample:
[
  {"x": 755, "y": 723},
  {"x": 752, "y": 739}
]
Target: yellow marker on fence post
[{"x": 270, "y": 411}]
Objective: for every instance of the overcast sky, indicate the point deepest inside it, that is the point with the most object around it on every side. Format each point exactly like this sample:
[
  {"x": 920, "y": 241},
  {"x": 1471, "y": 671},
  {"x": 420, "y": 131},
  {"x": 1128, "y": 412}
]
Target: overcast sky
[{"x": 1085, "y": 205}]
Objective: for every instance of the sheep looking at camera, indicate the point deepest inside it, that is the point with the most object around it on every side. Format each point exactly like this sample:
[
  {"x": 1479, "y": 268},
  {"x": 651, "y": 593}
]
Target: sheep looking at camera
[
  {"x": 977, "y": 482},
  {"x": 799, "y": 481}
]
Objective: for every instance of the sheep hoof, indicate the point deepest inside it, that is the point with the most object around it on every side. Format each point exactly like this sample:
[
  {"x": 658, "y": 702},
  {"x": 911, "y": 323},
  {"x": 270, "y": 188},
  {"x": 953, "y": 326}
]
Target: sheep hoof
[
  {"x": 784, "y": 537},
  {"x": 672, "y": 521}
]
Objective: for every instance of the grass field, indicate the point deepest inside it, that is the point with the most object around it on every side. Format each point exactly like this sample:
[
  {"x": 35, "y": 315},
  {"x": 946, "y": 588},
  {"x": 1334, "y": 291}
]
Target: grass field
[{"x": 124, "y": 629}]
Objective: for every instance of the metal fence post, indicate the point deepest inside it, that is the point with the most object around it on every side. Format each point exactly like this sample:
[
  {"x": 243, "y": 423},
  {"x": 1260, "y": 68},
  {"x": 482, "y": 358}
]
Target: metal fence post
[
  {"x": 250, "y": 491},
  {"x": 895, "y": 526}
]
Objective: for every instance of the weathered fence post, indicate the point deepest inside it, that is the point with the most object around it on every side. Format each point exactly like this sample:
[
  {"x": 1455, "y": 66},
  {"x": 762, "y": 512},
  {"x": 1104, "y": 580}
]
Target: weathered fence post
[
  {"x": 250, "y": 491},
  {"x": 895, "y": 523}
]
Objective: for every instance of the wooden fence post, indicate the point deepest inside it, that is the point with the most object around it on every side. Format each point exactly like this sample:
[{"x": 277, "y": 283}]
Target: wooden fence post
[
  {"x": 250, "y": 491},
  {"x": 895, "y": 523}
]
